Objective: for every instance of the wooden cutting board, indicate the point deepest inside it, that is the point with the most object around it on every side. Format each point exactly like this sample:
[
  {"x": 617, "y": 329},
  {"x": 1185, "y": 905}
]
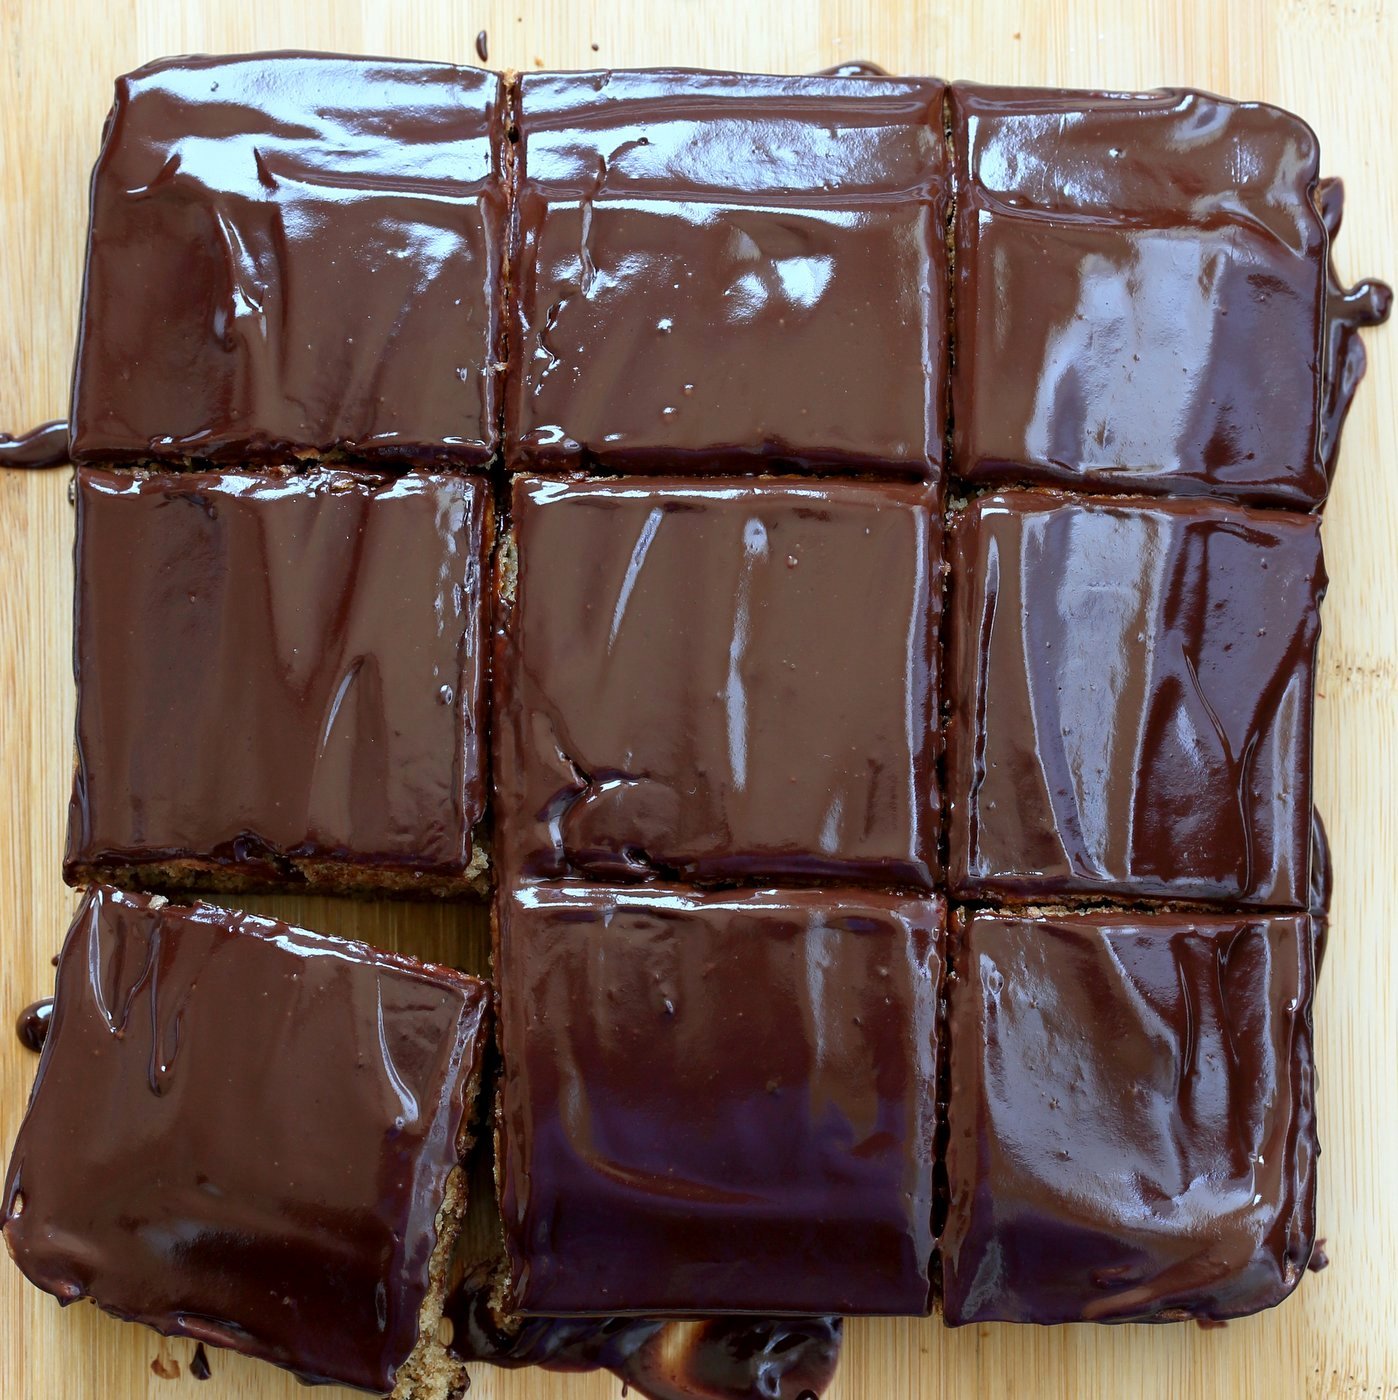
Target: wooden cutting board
[{"x": 1332, "y": 61}]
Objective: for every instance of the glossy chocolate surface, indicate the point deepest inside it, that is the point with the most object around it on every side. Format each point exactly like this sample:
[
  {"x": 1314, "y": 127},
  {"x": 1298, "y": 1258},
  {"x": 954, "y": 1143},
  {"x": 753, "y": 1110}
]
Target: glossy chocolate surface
[
  {"x": 294, "y": 253},
  {"x": 241, "y": 1132},
  {"x": 41, "y": 447},
  {"x": 1131, "y": 1129},
  {"x": 717, "y": 1103},
  {"x": 1122, "y": 260},
  {"x": 715, "y": 681},
  {"x": 1129, "y": 686},
  {"x": 280, "y": 676},
  {"x": 717, "y": 271}
]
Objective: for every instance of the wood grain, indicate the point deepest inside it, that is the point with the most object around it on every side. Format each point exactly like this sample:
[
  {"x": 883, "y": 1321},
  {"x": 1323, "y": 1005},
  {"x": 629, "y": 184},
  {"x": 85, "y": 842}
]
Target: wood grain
[{"x": 1339, "y": 1335}]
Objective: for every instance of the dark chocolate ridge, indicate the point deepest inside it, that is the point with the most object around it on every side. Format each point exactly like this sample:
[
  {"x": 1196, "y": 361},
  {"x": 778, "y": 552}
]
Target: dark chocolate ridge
[{"x": 1322, "y": 868}]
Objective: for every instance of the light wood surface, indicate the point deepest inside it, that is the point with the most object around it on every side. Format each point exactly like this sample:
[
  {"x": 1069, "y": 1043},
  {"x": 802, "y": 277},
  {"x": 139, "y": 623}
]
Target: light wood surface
[{"x": 1332, "y": 61}]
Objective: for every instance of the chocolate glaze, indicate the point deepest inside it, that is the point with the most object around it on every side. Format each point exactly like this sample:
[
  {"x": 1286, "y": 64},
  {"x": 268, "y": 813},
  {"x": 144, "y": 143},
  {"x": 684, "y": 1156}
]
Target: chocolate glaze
[
  {"x": 32, "y": 1024},
  {"x": 41, "y": 447},
  {"x": 1346, "y": 312},
  {"x": 735, "y": 1358},
  {"x": 271, "y": 1117},
  {"x": 716, "y": 271},
  {"x": 783, "y": 730},
  {"x": 1119, "y": 263},
  {"x": 1130, "y": 1114},
  {"x": 669, "y": 1144},
  {"x": 294, "y": 252},
  {"x": 280, "y": 677},
  {"x": 1129, "y": 687}
]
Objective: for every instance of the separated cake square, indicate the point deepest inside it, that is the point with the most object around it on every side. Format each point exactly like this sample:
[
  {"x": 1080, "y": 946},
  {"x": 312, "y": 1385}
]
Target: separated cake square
[
  {"x": 1122, "y": 260},
  {"x": 1129, "y": 694},
  {"x": 719, "y": 681},
  {"x": 717, "y": 1102},
  {"x": 713, "y": 271},
  {"x": 294, "y": 253},
  {"x": 281, "y": 680},
  {"x": 252, "y": 1135},
  {"x": 1130, "y": 1116}
]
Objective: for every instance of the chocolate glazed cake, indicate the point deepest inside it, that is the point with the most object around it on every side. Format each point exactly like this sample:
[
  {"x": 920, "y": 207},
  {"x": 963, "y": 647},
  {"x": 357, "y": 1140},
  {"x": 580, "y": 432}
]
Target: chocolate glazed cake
[
  {"x": 289, "y": 689},
  {"x": 891, "y": 678},
  {"x": 254, "y": 1136}
]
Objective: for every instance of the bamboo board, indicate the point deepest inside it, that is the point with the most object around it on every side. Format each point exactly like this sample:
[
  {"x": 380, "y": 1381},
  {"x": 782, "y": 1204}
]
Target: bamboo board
[{"x": 1338, "y": 1336}]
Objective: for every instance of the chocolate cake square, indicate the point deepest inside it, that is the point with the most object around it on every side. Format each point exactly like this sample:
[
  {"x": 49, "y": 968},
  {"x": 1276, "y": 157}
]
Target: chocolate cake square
[
  {"x": 717, "y": 682},
  {"x": 252, "y": 1135},
  {"x": 1129, "y": 692},
  {"x": 1140, "y": 294},
  {"x": 281, "y": 680},
  {"x": 719, "y": 271},
  {"x": 294, "y": 253},
  {"x": 717, "y": 1102},
  {"x": 1130, "y": 1115}
]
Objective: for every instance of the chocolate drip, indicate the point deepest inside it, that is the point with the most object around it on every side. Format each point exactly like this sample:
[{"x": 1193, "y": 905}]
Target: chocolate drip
[
  {"x": 1322, "y": 870},
  {"x": 165, "y": 1366},
  {"x": 853, "y": 68},
  {"x": 199, "y": 1364},
  {"x": 1322, "y": 883},
  {"x": 483, "y": 46},
  {"x": 717, "y": 1359},
  {"x": 39, "y": 448},
  {"x": 1368, "y": 303},
  {"x": 734, "y": 1357},
  {"x": 32, "y": 1026}
]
